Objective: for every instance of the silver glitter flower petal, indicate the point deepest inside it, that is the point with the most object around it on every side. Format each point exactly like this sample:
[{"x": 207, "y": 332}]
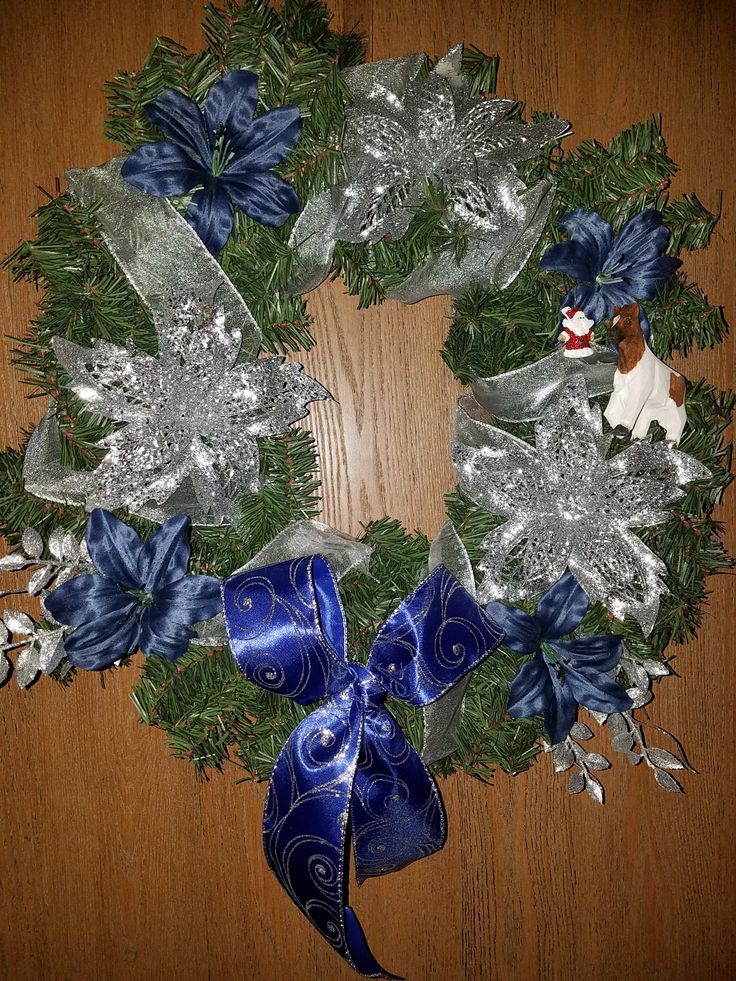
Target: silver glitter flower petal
[
  {"x": 120, "y": 383},
  {"x": 191, "y": 415},
  {"x": 568, "y": 505}
]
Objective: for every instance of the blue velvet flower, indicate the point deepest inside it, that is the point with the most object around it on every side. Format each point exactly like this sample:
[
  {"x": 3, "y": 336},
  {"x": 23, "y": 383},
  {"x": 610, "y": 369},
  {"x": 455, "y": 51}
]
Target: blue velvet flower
[
  {"x": 225, "y": 150},
  {"x": 563, "y": 673},
  {"x": 612, "y": 271},
  {"x": 139, "y": 597}
]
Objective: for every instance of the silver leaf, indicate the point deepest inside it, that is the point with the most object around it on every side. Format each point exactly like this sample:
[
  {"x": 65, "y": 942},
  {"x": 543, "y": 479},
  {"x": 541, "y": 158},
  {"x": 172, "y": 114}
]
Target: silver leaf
[
  {"x": 84, "y": 556},
  {"x": 14, "y": 562},
  {"x": 600, "y": 717},
  {"x": 633, "y": 758},
  {"x": 32, "y": 543},
  {"x": 581, "y": 731},
  {"x": 576, "y": 783},
  {"x": 4, "y": 668},
  {"x": 17, "y": 622},
  {"x": 596, "y": 761},
  {"x": 56, "y": 543},
  {"x": 69, "y": 547},
  {"x": 616, "y": 724},
  {"x": 51, "y": 649},
  {"x": 655, "y": 669},
  {"x": 40, "y": 578},
  {"x": 639, "y": 696},
  {"x": 64, "y": 576},
  {"x": 595, "y": 789},
  {"x": 637, "y": 674},
  {"x": 4, "y": 635},
  {"x": 562, "y": 757},
  {"x": 26, "y": 667},
  {"x": 622, "y": 742},
  {"x": 666, "y": 781},
  {"x": 665, "y": 759}
]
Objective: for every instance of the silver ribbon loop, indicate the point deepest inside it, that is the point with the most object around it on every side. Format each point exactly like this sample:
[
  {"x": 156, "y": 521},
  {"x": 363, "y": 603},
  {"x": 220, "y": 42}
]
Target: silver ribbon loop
[{"x": 524, "y": 394}]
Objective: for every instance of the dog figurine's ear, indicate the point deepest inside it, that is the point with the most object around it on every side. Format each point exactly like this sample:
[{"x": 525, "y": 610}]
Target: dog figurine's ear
[{"x": 616, "y": 311}]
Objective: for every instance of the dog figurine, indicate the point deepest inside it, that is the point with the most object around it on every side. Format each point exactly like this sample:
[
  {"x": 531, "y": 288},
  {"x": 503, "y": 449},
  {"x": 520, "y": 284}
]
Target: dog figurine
[{"x": 645, "y": 389}]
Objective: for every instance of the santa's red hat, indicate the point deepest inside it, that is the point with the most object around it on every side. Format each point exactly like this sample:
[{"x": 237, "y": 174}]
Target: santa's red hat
[{"x": 569, "y": 312}]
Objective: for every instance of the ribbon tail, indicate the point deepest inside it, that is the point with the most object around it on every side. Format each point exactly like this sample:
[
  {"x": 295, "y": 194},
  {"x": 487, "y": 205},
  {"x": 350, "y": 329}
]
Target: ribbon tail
[
  {"x": 305, "y": 825},
  {"x": 396, "y": 810},
  {"x": 443, "y": 717}
]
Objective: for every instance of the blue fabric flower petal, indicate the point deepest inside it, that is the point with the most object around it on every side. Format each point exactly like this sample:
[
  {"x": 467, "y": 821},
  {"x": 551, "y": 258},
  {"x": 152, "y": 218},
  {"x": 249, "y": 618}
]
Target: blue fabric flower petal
[
  {"x": 601, "y": 651},
  {"x": 166, "y": 553},
  {"x": 268, "y": 141},
  {"x": 577, "y": 672},
  {"x": 179, "y": 118},
  {"x": 162, "y": 635},
  {"x": 562, "y": 607},
  {"x": 163, "y": 169},
  {"x": 230, "y": 104},
  {"x": 210, "y": 214},
  {"x": 81, "y": 600},
  {"x": 523, "y": 631},
  {"x": 571, "y": 258},
  {"x": 562, "y": 711},
  {"x": 190, "y": 600},
  {"x": 263, "y": 196},
  {"x": 616, "y": 295},
  {"x": 590, "y": 300},
  {"x": 642, "y": 237},
  {"x": 596, "y": 691},
  {"x": 612, "y": 272},
  {"x": 104, "y": 640},
  {"x": 531, "y": 689},
  {"x": 593, "y": 233},
  {"x": 644, "y": 279},
  {"x": 115, "y": 549}
]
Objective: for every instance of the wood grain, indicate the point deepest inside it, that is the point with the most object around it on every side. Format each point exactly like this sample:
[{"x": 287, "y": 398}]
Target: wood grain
[{"x": 116, "y": 864}]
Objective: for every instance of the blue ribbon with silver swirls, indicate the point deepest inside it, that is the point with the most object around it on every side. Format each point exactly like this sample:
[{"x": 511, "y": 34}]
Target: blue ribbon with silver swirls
[{"x": 347, "y": 767}]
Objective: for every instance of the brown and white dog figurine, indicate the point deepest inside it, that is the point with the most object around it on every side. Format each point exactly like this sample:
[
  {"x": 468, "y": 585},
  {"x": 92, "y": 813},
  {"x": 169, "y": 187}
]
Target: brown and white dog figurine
[{"x": 645, "y": 389}]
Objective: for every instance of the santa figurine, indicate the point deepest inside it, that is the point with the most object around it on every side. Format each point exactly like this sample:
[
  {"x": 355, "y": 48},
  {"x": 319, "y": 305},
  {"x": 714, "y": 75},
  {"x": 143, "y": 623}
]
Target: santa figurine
[{"x": 577, "y": 333}]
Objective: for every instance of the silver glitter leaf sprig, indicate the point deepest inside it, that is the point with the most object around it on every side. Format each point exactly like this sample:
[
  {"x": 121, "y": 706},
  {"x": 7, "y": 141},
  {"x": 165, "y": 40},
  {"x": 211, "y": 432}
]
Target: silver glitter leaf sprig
[
  {"x": 38, "y": 648},
  {"x": 190, "y": 417},
  {"x": 403, "y": 130},
  {"x": 567, "y": 505}
]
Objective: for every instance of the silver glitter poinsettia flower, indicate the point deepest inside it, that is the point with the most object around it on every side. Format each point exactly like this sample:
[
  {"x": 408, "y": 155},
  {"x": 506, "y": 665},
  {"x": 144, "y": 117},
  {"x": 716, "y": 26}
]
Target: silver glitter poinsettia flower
[
  {"x": 567, "y": 505},
  {"x": 190, "y": 417},
  {"x": 402, "y": 131}
]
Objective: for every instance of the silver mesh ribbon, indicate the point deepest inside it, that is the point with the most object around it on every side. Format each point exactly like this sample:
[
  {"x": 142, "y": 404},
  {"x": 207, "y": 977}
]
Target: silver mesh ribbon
[
  {"x": 307, "y": 537},
  {"x": 567, "y": 504},
  {"x": 403, "y": 130},
  {"x": 442, "y": 718},
  {"x": 192, "y": 415},
  {"x": 524, "y": 394}
]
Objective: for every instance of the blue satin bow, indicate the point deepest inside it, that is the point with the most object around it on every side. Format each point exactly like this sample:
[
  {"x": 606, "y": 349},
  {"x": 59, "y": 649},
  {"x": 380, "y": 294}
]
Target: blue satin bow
[{"x": 348, "y": 765}]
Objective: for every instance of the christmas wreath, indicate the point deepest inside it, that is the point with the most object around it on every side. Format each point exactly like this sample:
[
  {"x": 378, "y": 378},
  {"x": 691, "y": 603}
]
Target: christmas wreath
[{"x": 174, "y": 280}]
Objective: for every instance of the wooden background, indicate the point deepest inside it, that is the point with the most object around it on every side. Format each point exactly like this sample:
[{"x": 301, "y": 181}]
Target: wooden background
[{"x": 116, "y": 863}]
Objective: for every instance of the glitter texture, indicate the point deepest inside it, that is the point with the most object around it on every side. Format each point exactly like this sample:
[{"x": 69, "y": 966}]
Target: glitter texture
[
  {"x": 401, "y": 132},
  {"x": 567, "y": 506},
  {"x": 192, "y": 414}
]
